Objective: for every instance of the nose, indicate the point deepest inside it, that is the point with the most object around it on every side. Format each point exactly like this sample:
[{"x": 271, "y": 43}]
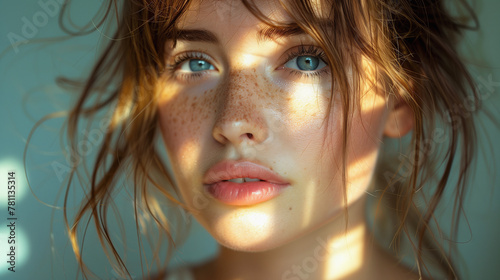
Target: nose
[{"x": 240, "y": 118}]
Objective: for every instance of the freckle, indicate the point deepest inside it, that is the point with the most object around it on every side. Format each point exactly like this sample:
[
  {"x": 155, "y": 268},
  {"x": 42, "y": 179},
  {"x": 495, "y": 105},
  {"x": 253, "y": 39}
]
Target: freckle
[{"x": 290, "y": 208}]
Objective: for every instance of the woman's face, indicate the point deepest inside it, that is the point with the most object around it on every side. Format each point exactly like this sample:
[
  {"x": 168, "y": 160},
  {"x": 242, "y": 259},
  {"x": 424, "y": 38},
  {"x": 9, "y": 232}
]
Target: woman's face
[{"x": 237, "y": 97}]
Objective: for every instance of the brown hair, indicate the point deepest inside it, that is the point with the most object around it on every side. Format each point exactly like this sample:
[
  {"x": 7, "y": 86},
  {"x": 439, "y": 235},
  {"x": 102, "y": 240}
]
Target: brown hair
[{"x": 411, "y": 43}]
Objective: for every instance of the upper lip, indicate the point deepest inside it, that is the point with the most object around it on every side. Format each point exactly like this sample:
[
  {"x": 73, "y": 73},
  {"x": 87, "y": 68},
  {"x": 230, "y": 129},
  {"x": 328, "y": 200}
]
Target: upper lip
[{"x": 230, "y": 169}]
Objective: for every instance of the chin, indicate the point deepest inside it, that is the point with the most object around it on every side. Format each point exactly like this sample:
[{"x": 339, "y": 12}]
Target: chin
[
  {"x": 250, "y": 231},
  {"x": 251, "y": 246}
]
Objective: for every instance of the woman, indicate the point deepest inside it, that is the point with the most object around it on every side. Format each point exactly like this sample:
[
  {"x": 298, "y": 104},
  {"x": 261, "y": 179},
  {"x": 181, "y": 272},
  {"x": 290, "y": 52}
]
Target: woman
[{"x": 273, "y": 116}]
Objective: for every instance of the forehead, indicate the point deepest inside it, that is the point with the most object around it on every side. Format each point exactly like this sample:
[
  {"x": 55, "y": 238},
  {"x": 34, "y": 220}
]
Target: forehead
[{"x": 226, "y": 13}]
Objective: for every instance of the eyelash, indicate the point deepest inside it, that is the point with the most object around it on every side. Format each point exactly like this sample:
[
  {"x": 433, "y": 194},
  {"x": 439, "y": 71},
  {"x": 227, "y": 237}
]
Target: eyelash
[
  {"x": 178, "y": 60},
  {"x": 301, "y": 50}
]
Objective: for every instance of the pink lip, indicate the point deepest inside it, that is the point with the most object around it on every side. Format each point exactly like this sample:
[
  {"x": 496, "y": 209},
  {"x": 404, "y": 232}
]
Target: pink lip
[{"x": 247, "y": 193}]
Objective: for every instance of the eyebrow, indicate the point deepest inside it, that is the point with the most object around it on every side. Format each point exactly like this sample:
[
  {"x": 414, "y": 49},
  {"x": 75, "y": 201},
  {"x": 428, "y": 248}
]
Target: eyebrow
[
  {"x": 275, "y": 33},
  {"x": 264, "y": 34},
  {"x": 193, "y": 35}
]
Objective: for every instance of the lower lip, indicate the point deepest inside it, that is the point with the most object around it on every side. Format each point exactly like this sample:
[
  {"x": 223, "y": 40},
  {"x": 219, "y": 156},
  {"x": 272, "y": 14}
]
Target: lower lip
[{"x": 248, "y": 193}]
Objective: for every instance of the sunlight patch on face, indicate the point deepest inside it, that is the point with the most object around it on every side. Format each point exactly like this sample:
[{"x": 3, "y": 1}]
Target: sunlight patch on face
[
  {"x": 360, "y": 175},
  {"x": 305, "y": 99},
  {"x": 247, "y": 60},
  {"x": 165, "y": 90},
  {"x": 366, "y": 137},
  {"x": 364, "y": 166},
  {"x": 190, "y": 152},
  {"x": 248, "y": 228},
  {"x": 372, "y": 103},
  {"x": 253, "y": 54},
  {"x": 371, "y": 99}
]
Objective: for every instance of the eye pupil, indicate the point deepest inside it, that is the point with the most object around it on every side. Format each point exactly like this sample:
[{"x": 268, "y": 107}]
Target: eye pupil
[
  {"x": 198, "y": 65},
  {"x": 307, "y": 63}
]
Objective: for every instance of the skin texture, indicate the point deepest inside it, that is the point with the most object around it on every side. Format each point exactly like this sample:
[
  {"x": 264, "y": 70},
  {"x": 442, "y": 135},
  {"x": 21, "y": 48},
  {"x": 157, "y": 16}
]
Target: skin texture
[{"x": 250, "y": 106}]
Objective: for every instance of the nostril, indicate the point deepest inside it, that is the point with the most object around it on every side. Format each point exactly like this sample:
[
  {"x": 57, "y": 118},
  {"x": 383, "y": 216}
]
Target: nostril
[{"x": 250, "y": 136}]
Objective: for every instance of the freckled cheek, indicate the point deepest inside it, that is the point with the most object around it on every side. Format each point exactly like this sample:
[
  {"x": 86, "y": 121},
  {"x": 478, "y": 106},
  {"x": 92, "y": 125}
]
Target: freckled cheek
[
  {"x": 183, "y": 121},
  {"x": 315, "y": 142},
  {"x": 307, "y": 109}
]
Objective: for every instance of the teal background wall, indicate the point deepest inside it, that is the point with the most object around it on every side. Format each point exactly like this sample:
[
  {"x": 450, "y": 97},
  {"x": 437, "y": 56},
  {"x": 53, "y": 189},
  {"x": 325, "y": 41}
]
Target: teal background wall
[{"x": 28, "y": 92}]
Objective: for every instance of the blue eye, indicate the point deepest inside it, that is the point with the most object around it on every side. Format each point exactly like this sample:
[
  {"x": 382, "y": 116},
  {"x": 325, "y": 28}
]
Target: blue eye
[
  {"x": 196, "y": 65},
  {"x": 305, "y": 63}
]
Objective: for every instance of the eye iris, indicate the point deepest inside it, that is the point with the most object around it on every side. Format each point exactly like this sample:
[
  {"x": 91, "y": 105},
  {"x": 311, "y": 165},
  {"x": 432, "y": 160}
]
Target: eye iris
[
  {"x": 198, "y": 65},
  {"x": 307, "y": 63}
]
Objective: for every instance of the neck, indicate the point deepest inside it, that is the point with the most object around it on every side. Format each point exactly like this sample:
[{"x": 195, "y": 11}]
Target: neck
[{"x": 330, "y": 252}]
